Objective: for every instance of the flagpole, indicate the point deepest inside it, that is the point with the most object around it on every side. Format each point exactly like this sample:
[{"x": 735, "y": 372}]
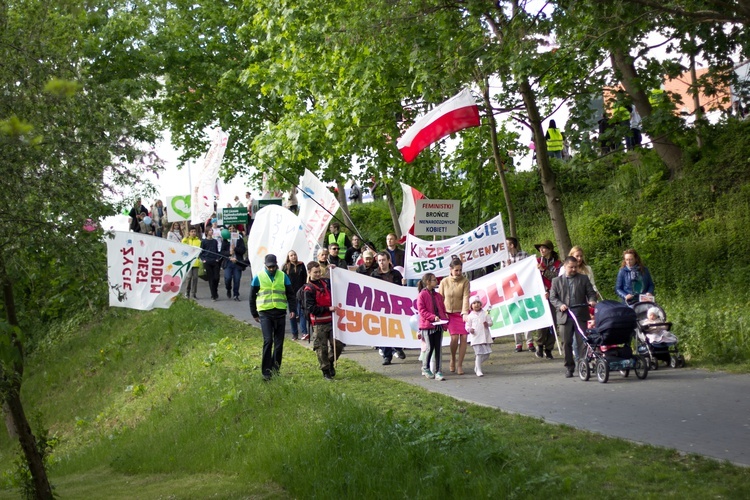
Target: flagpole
[{"x": 353, "y": 229}]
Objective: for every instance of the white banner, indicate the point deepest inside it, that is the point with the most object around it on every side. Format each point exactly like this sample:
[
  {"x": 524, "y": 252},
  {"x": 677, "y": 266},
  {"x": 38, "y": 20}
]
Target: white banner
[
  {"x": 178, "y": 208},
  {"x": 315, "y": 217},
  {"x": 276, "y": 230},
  {"x": 437, "y": 217},
  {"x": 373, "y": 312},
  {"x": 204, "y": 190},
  {"x": 483, "y": 246},
  {"x": 146, "y": 272},
  {"x": 516, "y": 296}
]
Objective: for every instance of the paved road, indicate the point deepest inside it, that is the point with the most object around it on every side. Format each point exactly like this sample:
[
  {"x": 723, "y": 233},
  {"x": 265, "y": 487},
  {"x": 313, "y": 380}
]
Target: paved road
[{"x": 694, "y": 411}]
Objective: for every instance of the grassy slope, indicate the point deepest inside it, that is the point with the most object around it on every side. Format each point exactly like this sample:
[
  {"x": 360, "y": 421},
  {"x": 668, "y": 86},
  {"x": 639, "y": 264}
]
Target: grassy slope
[{"x": 171, "y": 404}]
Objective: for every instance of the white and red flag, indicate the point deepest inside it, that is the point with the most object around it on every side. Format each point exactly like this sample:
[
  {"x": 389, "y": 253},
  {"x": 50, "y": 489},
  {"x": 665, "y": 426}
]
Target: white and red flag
[
  {"x": 457, "y": 113},
  {"x": 408, "y": 210}
]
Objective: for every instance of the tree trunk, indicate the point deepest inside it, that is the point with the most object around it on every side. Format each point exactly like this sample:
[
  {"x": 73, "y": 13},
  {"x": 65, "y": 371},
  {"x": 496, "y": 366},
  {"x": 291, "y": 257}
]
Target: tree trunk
[
  {"x": 499, "y": 164},
  {"x": 392, "y": 208},
  {"x": 668, "y": 151},
  {"x": 11, "y": 394},
  {"x": 341, "y": 195},
  {"x": 549, "y": 185},
  {"x": 695, "y": 91}
]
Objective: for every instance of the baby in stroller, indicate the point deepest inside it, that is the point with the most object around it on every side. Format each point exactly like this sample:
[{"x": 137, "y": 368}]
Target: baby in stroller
[
  {"x": 657, "y": 331},
  {"x": 655, "y": 340}
]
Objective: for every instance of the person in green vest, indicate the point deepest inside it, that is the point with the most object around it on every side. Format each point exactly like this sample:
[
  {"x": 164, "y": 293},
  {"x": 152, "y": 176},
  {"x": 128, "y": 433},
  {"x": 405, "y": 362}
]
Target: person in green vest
[
  {"x": 555, "y": 140},
  {"x": 337, "y": 236},
  {"x": 192, "y": 275},
  {"x": 271, "y": 295}
]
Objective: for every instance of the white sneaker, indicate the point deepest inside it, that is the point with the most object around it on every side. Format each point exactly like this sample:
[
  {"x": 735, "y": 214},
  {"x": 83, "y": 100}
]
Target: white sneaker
[
  {"x": 427, "y": 373},
  {"x": 439, "y": 376},
  {"x": 479, "y": 373}
]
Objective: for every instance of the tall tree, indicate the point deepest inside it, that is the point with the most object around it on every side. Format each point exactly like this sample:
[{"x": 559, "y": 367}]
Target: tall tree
[{"x": 70, "y": 131}]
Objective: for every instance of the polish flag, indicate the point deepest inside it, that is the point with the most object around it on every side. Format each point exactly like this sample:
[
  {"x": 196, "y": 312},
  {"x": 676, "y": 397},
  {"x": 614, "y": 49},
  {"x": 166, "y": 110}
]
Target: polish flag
[
  {"x": 457, "y": 113},
  {"x": 408, "y": 211}
]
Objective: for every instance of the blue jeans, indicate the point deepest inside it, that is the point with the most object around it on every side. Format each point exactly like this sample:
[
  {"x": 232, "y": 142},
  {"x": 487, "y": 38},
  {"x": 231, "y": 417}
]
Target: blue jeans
[
  {"x": 300, "y": 327},
  {"x": 272, "y": 324},
  {"x": 232, "y": 276}
]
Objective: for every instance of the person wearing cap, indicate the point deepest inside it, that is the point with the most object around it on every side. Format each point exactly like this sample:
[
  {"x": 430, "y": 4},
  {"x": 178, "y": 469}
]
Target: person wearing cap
[
  {"x": 368, "y": 263},
  {"x": 570, "y": 293},
  {"x": 549, "y": 265},
  {"x": 271, "y": 295}
]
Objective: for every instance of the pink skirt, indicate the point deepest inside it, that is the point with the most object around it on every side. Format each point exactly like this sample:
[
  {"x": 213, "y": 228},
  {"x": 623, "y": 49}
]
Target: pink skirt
[{"x": 456, "y": 325}]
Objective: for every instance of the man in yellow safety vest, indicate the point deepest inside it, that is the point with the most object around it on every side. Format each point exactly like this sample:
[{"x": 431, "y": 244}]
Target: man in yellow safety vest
[
  {"x": 554, "y": 141},
  {"x": 271, "y": 295}
]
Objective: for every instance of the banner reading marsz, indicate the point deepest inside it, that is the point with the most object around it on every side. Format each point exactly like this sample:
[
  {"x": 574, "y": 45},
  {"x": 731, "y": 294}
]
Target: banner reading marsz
[
  {"x": 516, "y": 296},
  {"x": 481, "y": 247},
  {"x": 276, "y": 230},
  {"x": 373, "y": 312},
  {"x": 146, "y": 272}
]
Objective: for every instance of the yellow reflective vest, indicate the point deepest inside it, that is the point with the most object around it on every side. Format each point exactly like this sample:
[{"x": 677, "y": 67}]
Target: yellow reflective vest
[
  {"x": 555, "y": 141},
  {"x": 272, "y": 294},
  {"x": 339, "y": 239}
]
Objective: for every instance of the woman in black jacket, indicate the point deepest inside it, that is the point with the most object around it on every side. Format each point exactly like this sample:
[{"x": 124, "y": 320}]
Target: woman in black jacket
[{"x": 298, "y": 276}]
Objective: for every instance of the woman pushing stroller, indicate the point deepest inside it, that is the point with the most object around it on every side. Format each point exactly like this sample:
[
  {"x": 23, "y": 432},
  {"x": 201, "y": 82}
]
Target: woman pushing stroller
[{"x": 633, "y": 279}]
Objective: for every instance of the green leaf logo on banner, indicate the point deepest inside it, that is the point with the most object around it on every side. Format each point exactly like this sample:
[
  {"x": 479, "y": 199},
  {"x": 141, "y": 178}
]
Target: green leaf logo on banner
[{"x": 180, "y": 205}]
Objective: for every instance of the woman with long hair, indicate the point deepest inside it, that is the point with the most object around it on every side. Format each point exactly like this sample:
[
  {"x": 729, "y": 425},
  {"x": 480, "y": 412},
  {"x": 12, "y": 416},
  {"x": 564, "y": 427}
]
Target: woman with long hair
[
  {"x": 297, "y": 273},
  {"x": 633, "y": 279},
  {"x": 455, "y": 289},
  {"x": 583, "y": 267},
  {"x": 175, "y": 234}
]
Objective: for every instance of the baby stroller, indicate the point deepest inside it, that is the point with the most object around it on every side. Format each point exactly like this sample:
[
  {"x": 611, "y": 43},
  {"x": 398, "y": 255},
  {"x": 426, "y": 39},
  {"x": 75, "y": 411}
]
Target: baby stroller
[
  {"x": 667, "y": 351},
  {"x": 608, "y": 345}
]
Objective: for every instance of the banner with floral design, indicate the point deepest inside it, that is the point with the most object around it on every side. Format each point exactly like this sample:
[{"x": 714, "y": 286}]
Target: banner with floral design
[{"x": 146, "y": 272}]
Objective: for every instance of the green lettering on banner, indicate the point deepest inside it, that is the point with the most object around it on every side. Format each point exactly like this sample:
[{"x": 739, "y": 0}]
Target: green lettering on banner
[
  {"x": 513, "y": 313},
  {"x": 534, "y": 306}
]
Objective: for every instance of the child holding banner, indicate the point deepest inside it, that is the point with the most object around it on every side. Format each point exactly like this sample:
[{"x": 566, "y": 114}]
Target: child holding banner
[
  {"x": 431, "y": 308},
  {"x": 478, "y": 325}
]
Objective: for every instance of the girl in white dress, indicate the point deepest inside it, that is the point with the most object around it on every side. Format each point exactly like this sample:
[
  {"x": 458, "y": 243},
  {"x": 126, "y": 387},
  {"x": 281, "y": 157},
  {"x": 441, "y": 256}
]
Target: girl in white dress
[{"x": 477, "y": 324}]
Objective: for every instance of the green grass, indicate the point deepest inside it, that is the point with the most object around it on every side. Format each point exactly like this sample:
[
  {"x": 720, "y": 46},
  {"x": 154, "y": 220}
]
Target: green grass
[{"x": 170, "y": 404}]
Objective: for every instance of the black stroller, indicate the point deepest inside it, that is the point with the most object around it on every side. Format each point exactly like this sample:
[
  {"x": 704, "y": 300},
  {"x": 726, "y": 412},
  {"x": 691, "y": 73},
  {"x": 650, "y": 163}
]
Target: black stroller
[
  {"x": 666, "y": 351},
  {"x": 608, "y": 346}
]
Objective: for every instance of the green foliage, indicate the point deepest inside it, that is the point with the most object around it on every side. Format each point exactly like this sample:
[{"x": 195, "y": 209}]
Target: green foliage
[
  {"x": 18, "y": 477},
  {"x": 373, "y": 221}
]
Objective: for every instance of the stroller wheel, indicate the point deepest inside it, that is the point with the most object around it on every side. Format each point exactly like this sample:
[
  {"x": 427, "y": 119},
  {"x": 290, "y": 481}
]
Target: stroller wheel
[
  {"x": 641, "y": 367},
  {"x": 680, "y": 361},
  {"x": 602, "y": 371},
  {"x": 673, "y": 361},
  {"x": 654, "y": 364},
  {"x": 584, "y": 372}
]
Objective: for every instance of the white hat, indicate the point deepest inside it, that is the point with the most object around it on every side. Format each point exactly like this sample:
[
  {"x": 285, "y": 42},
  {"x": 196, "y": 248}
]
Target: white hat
[{"x": 475, "y": 298}]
